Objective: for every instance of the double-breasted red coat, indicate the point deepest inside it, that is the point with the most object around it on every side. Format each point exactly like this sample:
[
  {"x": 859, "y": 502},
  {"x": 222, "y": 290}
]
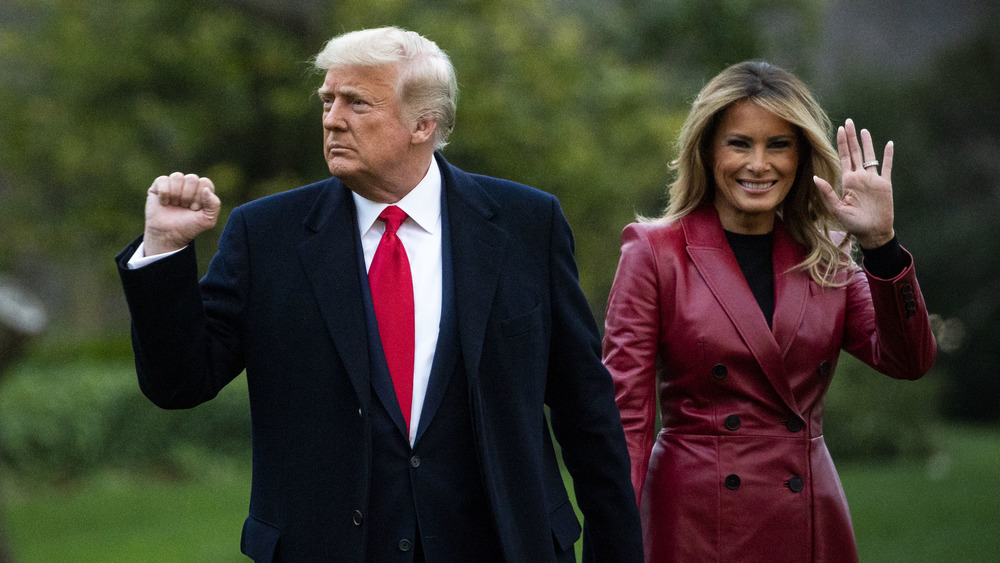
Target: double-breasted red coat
[{"x": 739, "y": 470}]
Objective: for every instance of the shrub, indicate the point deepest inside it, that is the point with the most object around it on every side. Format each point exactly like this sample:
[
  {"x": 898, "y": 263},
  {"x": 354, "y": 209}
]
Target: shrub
[
  {"x": 870, "y": 416},
  {"x": 60, "y": 422}
]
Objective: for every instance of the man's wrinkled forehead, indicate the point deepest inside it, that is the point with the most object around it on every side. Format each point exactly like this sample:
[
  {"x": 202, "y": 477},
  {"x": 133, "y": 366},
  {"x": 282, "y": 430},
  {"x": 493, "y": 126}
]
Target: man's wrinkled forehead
[{"x": 357, "y": 79}]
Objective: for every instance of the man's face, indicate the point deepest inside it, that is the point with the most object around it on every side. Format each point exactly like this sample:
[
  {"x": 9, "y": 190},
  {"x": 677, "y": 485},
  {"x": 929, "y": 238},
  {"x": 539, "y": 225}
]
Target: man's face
[{"x": 368, "y": 144}]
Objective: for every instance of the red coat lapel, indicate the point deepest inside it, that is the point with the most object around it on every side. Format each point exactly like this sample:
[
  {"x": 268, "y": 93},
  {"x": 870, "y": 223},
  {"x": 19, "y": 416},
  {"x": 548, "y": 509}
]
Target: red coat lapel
[
  {"x": 791, "y": 287},
  {"x": 714, "y": 259}
]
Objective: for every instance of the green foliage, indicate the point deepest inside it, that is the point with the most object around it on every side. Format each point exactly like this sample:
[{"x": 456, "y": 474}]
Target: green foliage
[
  {"x": 581, "y": 102},
  {"x": 580, "y": 99},
  {"x": 872, "y": 417},
  {"x": 68, "y": 421},
  {"x": 103, "y": 97},
  {"x": 705, "y": 36},
  {"x": 543, "y": 103}
]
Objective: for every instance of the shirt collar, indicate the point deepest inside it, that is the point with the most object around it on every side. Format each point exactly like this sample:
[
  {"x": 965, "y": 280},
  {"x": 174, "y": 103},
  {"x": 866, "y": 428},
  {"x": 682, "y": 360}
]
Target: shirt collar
[{"x": 422, "y": 204}]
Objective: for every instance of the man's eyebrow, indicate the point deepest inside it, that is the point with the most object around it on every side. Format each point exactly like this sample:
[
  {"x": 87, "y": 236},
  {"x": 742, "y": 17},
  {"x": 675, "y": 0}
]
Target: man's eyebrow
[{"x": 347, "y": 91}]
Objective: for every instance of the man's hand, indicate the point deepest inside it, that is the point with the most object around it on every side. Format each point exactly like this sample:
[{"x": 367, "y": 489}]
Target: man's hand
[{"x": 179, "y": 207}]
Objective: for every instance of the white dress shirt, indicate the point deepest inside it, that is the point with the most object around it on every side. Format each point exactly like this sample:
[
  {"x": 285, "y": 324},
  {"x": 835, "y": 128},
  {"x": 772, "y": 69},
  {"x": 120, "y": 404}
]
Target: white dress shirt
[{"x": 421, "y": 237}]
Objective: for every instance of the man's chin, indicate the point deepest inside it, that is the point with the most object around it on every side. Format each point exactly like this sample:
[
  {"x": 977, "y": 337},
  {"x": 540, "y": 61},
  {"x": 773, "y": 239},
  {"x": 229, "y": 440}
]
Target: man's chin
[{"x": 340, "y": 169}]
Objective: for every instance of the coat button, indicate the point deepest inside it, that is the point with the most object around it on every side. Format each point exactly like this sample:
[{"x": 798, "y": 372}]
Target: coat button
[
  {"x": 415, "y": 461},
  {"x": 795, "y": 484},
  {"x": 358, "y": 518},
  {"x": 719, "y": 371},
  {"x": 733, "y": 422},
  {"x": 824, "y": 369},
  {"x": 405, "y": 545},
  {"x": 732, "y": 482},
  {"x": 794, "y": 424}
]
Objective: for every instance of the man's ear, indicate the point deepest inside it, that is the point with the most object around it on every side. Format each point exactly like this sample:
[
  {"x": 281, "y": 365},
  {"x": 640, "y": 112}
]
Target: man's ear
[{"x": 423, "y": 130}]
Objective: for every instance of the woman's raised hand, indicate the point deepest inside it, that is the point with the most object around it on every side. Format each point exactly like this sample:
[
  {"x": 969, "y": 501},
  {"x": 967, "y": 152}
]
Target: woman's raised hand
[{"x": 864, "y": 208}]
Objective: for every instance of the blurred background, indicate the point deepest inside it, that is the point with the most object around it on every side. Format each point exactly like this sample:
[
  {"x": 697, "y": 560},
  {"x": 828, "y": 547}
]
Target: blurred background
[{"x": 581, "y": 98}]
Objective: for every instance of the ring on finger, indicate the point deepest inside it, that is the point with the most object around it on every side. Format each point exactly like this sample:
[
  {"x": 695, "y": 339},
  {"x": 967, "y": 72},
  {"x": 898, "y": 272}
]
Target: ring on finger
[{"x": 869, "y": 164}]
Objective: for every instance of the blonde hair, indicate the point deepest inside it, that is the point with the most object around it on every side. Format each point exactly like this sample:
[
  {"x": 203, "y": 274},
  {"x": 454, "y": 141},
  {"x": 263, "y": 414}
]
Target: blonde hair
[
  {"x": 426, "y": 85},
  {"x": 803, "y": 210}
]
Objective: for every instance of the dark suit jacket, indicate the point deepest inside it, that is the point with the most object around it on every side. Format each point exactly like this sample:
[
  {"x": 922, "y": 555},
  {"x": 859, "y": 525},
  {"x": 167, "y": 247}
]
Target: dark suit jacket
[{"x": 283, "y": 300}]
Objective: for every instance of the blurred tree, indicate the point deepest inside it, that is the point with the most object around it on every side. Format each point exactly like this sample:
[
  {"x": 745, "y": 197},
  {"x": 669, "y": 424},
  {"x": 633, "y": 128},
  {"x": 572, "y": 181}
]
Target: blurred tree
[
  {"x": 692, "y": 41},
  {"x": 944, "y": 122},
  {"x": 100, "y": 98},
  {"x": 106, "y": 97},
  {"x": 544, "y": 103},
  {"x": 872, "y": 417},
  {"x": 956, "y": 114},
  {"x": 581, "y": 98}
]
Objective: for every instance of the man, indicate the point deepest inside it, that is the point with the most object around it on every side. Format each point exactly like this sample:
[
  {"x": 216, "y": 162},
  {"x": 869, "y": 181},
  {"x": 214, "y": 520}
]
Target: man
[{"x": 401, "y": 325}]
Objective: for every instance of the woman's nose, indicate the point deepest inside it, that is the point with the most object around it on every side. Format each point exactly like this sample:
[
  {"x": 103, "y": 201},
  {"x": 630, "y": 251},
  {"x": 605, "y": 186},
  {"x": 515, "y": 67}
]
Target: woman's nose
[{"x": 758, "y": 161}]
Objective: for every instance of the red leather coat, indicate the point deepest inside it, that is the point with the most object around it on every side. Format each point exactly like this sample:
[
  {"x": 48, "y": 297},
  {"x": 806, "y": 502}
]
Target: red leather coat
[{"x": 740, "y": 471}]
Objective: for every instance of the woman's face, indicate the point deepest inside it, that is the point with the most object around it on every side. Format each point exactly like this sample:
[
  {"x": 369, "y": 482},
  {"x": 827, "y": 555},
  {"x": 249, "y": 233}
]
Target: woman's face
[{"x": 754, "y": 159}]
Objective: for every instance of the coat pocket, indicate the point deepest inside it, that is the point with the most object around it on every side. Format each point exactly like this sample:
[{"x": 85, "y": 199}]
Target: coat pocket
[
  {"x": 521, "y": 324},
  {"x": 565, "y": 526},
  {"x": 260, "y": 540}
]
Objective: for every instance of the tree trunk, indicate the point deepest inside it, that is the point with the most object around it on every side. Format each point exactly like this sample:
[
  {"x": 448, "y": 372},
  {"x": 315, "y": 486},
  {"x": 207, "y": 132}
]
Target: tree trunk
[{"x": 22, "y": 317}]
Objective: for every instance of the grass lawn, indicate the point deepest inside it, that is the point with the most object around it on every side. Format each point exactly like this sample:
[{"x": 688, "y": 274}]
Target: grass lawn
[
  {"x": 944, "y": 510},
  {"x": 128, "y": 519}
]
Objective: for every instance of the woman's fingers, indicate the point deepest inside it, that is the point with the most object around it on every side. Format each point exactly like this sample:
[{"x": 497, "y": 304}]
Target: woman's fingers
[{"x": 887, "y": 162}]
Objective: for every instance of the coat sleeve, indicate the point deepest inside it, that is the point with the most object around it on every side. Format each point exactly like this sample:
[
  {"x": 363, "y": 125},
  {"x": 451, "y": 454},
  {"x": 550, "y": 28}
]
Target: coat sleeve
[
  {"x": 185, "y": 335},
  {"x": 583, "y": 414},
  {"x": 631, "y": 341},
  {"x": 887, "y": 324}
]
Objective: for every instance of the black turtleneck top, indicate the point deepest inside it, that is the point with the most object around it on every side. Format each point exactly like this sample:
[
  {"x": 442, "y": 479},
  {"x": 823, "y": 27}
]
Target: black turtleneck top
[{"x": 754, "y": 255}]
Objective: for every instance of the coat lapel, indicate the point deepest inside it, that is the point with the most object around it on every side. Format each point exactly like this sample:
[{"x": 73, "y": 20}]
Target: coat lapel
[
  {"x": 329, "y": 258},
  {"x": 478, "y": 247},
  {"x": 714, "y": 259},
  {"x": 446, "y": 353},
  {"x": 791, "y": 287}
]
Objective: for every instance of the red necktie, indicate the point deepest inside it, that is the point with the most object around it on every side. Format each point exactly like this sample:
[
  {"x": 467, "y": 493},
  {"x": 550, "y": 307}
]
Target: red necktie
[{"x": 392, "y": 294}]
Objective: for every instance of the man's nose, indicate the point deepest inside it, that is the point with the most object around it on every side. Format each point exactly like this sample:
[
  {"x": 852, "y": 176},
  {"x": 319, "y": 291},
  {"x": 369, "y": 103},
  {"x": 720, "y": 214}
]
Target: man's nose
[{"x": 333, "y": 118}]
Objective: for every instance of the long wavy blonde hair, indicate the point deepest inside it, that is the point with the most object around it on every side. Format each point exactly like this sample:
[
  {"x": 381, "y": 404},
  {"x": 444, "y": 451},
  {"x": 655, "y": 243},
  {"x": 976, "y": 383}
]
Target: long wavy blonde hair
[{"x": 803, "y": 211}]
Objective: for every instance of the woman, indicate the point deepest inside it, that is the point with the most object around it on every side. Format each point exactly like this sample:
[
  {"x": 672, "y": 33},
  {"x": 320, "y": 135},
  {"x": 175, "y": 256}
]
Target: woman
[{"x": 732, "y": 309}]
